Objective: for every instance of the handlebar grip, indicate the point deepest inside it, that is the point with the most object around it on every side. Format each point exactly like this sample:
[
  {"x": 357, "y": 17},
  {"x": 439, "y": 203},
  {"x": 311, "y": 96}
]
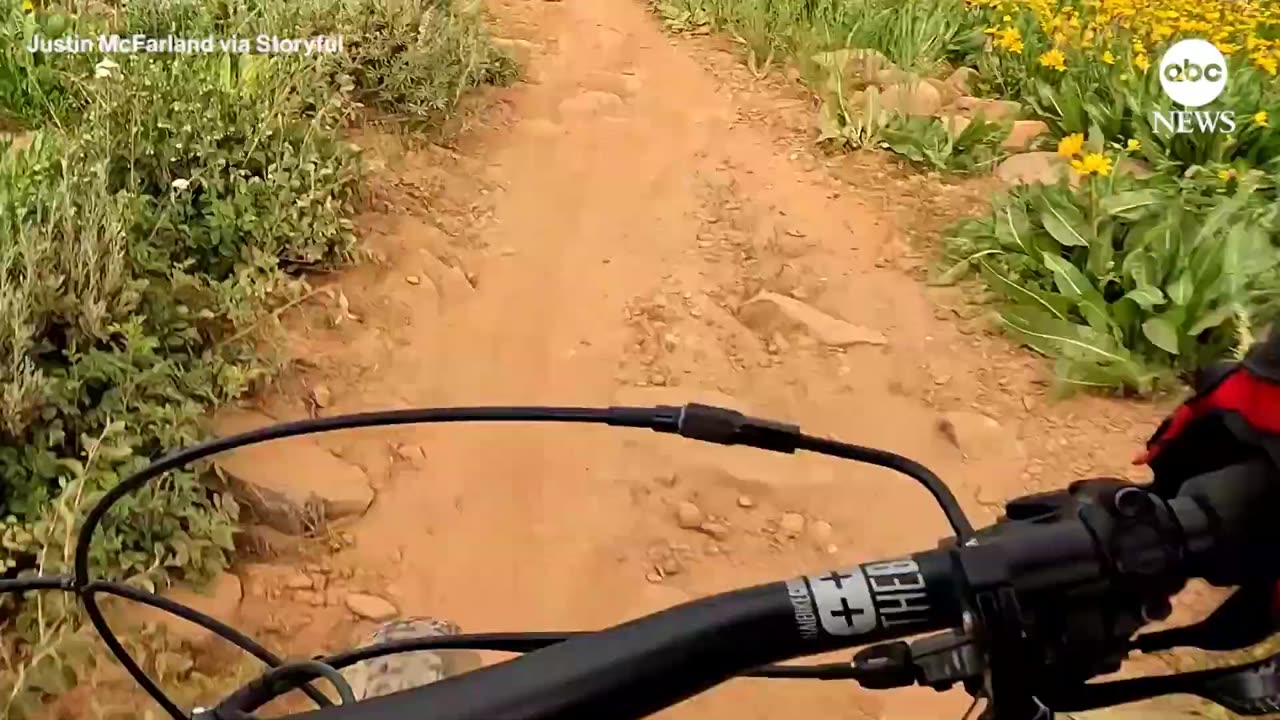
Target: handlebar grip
[{"x": 1238, "y": 540}]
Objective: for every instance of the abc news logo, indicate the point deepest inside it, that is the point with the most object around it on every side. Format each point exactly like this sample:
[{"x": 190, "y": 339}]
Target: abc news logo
[
  {"x": 1190, "y": 72},
  {"x": 1193, "y": 73}
]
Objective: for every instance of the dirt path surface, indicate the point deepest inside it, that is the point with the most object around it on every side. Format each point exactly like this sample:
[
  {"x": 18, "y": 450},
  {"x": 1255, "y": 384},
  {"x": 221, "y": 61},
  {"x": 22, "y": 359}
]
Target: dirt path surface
[{"x": 597, "y": 246}]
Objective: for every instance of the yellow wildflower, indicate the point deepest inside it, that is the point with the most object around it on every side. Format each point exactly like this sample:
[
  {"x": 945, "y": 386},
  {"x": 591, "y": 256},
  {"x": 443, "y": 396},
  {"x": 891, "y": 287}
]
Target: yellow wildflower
[
  {"x": 1142, "y": 62},
  {"x": 1225, "y": 175},
  {"x": 27, "y": 6},
  {"x": 1010, "y": 39},
  {"x": 1071, "y": 145},
  {"x": 1134, "y": 145},
  {"x": 1108, "y": 58},
  {"x": 1054, "y": 59},
  {"x": 1260, "y": 118},
  {"x": 1092, "y": 164}
]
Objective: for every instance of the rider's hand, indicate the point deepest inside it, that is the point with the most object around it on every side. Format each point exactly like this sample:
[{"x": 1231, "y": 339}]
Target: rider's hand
[{"x": 1234, "y": 415}]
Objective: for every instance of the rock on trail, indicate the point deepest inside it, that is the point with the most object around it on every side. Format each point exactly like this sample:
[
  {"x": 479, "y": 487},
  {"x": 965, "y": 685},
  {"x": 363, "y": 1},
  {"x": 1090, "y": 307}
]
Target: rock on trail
[
  {"x": 769, "y": 313},
  {"x": 688, "y": 515},
  {"x": 370, "y": 607},
  {"x": 283, "y": 488}
]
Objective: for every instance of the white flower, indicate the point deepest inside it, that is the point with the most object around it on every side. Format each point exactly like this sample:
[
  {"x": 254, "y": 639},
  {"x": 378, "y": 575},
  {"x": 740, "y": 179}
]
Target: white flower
[
  {"x": 104, "y": 68},
  {"x": 181, "y": 184}
]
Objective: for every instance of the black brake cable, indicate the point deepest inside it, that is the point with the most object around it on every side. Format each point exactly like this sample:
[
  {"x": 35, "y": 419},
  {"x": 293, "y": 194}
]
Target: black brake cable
[
  {"x": 699, "y": 422},
  {"x": 280, "y": 681}
]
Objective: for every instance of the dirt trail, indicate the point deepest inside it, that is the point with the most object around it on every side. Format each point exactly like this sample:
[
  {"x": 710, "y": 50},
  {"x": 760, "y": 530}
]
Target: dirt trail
[{"x": 611, "y": 227}]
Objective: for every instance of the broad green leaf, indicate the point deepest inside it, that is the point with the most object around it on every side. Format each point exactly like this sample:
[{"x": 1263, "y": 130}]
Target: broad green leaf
[
  {"x": 1050, "y": 97},
  {"x": 75, "y": 466},
  {"x": 1013, "y": 228},
  {"x": 1064, "y": 222},
  {"x": 1162, "y": 333},
  {"x": 1102, "y": 254},
  {"x": 960, "y": 269},
  {"x": 1111, "y": 375},
  {"x": 830, "y": 122},
  {"x": 1096, "y": 141},
  {"x": 1211, "y": 319},
  {"x": 1250, "y": 251},
  {"x": 1068, "y": 338},
  {"x": 1147, "y": 296},
  {"x": 1132, "y": 204},
  {"x": 1125, "y": 315},
  {"x": 1072, "y": 283},
  {"x": 1055, "y": 305},
  {"x": 1165, "y": 245},
  {"x": 1180, "y": 290},
  {"x": 1141, "y": 266}
]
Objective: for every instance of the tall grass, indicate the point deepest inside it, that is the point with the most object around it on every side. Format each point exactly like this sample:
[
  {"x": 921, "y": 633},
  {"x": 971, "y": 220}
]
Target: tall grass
[{"x": 914, "y": 34}]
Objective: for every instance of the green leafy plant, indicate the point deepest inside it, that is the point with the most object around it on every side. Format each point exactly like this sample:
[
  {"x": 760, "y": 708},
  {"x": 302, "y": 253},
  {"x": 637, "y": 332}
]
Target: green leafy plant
[
  {"x": 161, "y": 215},
  {"x": 929, "y": 141},
  {"x": 916, "y": 34},
  {"x": 1127, "y": 283},
  {"x": 856, "y": 122},
  {"x": 32, "y": 87}
]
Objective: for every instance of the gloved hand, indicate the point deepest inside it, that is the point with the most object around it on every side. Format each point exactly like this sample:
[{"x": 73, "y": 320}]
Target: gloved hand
[{"x": 1233, "y": 416}]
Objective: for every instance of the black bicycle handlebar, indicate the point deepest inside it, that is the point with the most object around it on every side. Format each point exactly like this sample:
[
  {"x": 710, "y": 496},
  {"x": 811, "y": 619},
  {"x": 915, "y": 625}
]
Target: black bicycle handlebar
[
  {"x": 1036, "y": 605},
  {"x": 1108, "y": 554},
  {"x": 640, "y": 667}
]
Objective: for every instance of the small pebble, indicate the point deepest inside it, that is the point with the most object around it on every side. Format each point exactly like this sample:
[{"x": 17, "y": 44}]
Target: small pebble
[
  {"x": 715, "y": 530},
  {"x": 688, "y": 515},
  {"x": 791, "y": 524}
]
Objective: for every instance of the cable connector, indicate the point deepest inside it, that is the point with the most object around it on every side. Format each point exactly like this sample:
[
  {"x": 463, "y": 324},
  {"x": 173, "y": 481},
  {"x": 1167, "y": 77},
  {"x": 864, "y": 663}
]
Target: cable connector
[{"x": 730, "y": 427}]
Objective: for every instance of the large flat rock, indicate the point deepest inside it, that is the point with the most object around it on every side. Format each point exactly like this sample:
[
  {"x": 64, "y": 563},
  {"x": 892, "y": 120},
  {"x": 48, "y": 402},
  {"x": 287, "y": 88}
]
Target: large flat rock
[
  {"x": 770, "y": 312},
  {"x": 285, "y": 482}
]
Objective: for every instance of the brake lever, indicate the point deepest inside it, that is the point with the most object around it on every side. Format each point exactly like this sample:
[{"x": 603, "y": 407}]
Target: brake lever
[
  {"x": 1243, "y": 620},
  {"x": 936, "y": 661},
  {"x": 1250, "y": 689}
]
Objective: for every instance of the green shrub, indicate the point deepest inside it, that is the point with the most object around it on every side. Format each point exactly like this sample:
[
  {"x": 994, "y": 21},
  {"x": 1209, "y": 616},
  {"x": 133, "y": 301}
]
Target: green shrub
[
  {"x": 163, "y": 212},
  {"x": 915, "y": 34},
  {"x": 1129, "y": 283},
  {"x": 410, "y": 58},
  {"x": 930, "y": 142},
  {"x": 35, "y": 88}
]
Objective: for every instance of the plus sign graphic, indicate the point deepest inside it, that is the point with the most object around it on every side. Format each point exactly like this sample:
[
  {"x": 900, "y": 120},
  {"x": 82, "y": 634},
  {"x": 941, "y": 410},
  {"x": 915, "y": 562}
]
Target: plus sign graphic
[
  {"x": 847, "y": 613},
  {"x": 844, "y": 602},
  {"x": 836, "y": 578}
]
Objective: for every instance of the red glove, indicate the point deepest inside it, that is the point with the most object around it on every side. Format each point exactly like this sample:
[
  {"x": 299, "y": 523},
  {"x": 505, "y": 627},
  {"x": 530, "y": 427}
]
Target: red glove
[{"x": 1234, "y": 415}]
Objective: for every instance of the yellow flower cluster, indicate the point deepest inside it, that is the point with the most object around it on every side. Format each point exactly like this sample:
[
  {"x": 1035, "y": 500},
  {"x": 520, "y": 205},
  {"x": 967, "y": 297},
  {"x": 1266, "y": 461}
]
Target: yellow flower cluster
[
  {"x": 1071, "y": 147},
  {"x": 1139, "y": 28}
]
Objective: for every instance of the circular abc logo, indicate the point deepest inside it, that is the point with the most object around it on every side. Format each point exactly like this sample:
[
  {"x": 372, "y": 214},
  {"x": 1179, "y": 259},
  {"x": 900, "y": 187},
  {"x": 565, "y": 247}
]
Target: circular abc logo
[{"x": 1193, "y": 72}]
